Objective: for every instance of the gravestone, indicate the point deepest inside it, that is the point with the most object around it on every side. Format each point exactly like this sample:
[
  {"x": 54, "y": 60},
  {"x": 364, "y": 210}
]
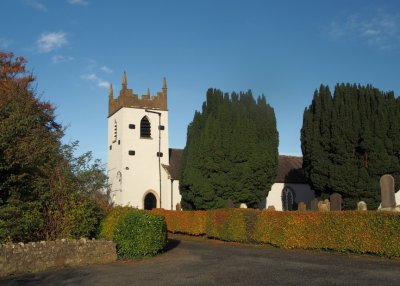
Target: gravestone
[
  {"x": 302, "y": 206},
  {"x": 361, "y": 206},
  {"x": 271, "y": 208},
  {"x": 324, "y": 206},
  {"x": 336, "y": 202},
  {"x": 243, "y": 206},
  {"x": 178, "y": 207},
  {"x": 314, "y": 204},
  {"x": 229, "y": 204},
  {"x": 388, "y": 199}
]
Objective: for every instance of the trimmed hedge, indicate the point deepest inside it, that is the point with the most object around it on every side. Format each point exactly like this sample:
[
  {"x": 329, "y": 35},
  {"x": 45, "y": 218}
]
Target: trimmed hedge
[
  {"x": 109, "y": 223},
  {"x": 351, "y": 231},
  {"x": 231, "y": 224},
  {"x": 193, "y": 222},
  {"x": 140, "y": 234}
]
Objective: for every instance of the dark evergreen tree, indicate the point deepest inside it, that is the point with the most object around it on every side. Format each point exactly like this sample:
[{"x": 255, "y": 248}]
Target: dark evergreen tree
[
  {"x": 231, "y": 152},
  {"x": 349, "y": 140}
]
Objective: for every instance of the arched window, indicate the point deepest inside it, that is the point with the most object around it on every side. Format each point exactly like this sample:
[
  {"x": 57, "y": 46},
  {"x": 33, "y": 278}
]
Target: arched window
[
  {"x": 288, "y": 199},
  {"x": 145, "y": 128}
]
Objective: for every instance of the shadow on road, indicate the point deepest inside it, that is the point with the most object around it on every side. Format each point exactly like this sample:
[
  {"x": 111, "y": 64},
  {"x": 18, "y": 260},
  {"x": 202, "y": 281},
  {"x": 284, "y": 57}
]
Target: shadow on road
[{"x": 171, "y": 244}]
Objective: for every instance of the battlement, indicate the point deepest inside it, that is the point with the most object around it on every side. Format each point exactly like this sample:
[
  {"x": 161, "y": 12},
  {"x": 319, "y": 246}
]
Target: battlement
[{"x": 127, "y": 98}]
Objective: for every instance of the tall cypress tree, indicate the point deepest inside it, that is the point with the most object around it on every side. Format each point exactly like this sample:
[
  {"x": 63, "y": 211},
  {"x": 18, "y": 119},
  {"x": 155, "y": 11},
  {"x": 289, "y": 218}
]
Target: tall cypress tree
[
  {"x": 231, "y": 152},
  {"x": 349, "y": 140}
]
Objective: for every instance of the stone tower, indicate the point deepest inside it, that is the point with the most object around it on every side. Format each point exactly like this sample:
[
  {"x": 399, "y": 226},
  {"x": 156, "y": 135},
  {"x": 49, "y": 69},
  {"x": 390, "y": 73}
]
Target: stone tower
[{"x": 138, "y": 148}]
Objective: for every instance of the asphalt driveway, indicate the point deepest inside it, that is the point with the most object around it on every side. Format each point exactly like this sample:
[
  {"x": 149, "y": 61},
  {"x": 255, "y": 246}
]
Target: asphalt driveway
[{"x": 189, "y": 262}]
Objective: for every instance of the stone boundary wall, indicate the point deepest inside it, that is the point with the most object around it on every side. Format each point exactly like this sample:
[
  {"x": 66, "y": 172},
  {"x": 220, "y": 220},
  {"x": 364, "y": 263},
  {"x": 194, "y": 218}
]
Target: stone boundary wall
[{"x": 39, "y": 256}]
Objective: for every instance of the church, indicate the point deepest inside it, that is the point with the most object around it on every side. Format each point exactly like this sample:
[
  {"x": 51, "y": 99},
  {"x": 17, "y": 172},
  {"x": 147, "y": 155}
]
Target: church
[{"x": 143, "y": 172}]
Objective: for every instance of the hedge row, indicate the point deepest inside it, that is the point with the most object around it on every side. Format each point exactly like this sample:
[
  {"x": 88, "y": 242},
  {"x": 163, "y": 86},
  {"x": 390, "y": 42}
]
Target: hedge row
[
  {"x": 359, "y": 232},
  {"x": 136, "y": 233}
]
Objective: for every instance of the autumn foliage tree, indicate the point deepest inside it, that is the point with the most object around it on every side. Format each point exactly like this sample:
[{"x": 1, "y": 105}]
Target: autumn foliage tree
[{"x": 40, "y": 194}]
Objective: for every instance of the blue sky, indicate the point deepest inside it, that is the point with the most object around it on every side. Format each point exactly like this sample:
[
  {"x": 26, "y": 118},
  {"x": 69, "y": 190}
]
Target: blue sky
[{"x": 282, "y": 49}]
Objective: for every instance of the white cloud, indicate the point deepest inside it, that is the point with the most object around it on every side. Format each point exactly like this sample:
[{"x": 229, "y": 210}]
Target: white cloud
[
  {"x": 106, "y": 69},
  {"x": 37, "y": 5},
  {"x": 5, "y": 43},
  {"x": 97, "y": 80},
  {"x": 78, "y": 2},
  {"x": 48, "y": 42},
  {"x": 380, "y": 30},
  {"x": 61, "y": 59}
]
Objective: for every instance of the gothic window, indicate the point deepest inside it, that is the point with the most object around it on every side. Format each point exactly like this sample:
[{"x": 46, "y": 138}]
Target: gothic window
[
  {"x": 145, "y": 128},
  {"x": 287, "y": 199}
]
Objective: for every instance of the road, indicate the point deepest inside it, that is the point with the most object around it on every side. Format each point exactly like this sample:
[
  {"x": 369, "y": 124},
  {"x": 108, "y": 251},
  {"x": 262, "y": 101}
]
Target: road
[{"x": 201, "y": 262}]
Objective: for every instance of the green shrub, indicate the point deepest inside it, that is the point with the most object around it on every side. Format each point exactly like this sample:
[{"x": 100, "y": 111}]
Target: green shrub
[
  {"x": 116, "y": 216},
  {"x": 140, "y": 234}
]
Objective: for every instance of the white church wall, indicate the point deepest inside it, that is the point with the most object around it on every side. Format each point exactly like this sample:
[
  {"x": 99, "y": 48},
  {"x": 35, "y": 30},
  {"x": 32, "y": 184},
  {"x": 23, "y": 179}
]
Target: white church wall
[
  {"x": 171, "y": 195},
  {"x": 175, "y": 194},
  {"x": 303, "y": 193}
]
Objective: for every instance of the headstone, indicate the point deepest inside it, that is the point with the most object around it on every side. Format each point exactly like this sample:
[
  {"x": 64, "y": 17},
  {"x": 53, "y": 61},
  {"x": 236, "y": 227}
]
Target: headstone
[
  {"x": 314, "y": 204},
  {"x": 324, "y": 206},
  {"x": 263, "y": 204},
  {"x": 271, "y": 208},
  {"x": 361, "y": 206},
  {"x": 302, "y": 206},
  {"x": 243, "y": 206},
  {"x": 336, "y": 202},
  {"x": 387, "y": 192},
  {"x": 178, "y": 207},
  {"x": 229, "y": 204}
]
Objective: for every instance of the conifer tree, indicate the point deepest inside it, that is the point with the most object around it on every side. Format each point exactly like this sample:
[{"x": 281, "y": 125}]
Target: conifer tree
[
  {"x": 231, "y": 152},
  {"x": 349, "y": 140}
]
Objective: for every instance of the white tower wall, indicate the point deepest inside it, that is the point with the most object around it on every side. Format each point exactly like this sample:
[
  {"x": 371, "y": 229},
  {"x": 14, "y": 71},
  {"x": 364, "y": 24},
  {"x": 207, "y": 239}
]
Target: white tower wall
[{"x": 134, "y": 169}]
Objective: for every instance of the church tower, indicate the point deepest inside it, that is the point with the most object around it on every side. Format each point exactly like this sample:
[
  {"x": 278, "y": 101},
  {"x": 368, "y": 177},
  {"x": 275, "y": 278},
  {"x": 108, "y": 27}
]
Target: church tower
[{"x": 138, "y": 149}]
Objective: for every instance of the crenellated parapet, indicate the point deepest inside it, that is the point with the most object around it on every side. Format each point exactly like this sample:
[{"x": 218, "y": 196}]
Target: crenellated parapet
[{"x": 127, "y": 98}]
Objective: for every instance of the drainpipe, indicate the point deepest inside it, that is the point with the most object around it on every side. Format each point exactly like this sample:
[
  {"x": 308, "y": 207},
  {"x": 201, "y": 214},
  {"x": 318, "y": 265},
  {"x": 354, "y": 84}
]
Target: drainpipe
[
  {"x": 172, "y": 192},
  {"x": 159, "y": 148}
]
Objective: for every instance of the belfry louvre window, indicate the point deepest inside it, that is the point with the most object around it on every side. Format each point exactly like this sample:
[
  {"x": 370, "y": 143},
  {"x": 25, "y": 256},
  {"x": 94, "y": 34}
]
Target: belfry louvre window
[{"x": 145, "y": 128}]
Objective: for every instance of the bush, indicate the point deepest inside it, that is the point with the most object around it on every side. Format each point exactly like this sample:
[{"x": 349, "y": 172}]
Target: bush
[
  {"x": 115, "y": 216},
  {"x": 140, "y": 234}
]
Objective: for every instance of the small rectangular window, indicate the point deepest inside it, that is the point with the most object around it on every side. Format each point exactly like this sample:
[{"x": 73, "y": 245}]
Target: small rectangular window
[
  {"x": 110, "y": 147},
  {"x": 119, "y": 142},
  {"x": 132, "y": 126},
  {"x": 161, "y": 127},
  {"x": 131, "y": 152},
  {"x": 159, "y": 154}
]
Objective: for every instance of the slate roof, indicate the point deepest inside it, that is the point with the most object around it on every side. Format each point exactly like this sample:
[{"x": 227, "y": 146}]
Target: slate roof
[
  {"x": 289, "y": 168},
  {"x": 175, "y": 156}
]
